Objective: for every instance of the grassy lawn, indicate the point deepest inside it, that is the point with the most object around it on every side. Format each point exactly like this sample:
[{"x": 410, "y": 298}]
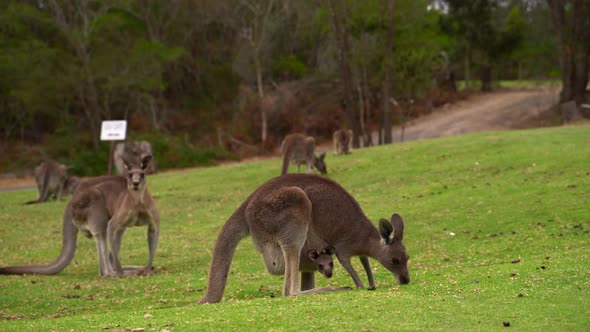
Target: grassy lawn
[{"x": 497, "y": 226}]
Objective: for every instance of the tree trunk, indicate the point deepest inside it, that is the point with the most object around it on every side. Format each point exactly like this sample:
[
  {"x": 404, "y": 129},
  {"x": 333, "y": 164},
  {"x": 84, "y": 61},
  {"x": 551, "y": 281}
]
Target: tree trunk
[
  {"x": 260, "y": 88},
  {"x": 573, "y": 35},
  {"x": 342, "y": 38},
  {"x": 467, "y": 68},
  {"x": 387, "y": 114}
]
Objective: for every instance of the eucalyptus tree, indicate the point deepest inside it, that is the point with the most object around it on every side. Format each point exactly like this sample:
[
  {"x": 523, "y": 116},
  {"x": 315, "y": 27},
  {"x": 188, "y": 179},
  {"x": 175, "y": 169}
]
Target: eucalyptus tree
[{"x": 571, "y": 22}]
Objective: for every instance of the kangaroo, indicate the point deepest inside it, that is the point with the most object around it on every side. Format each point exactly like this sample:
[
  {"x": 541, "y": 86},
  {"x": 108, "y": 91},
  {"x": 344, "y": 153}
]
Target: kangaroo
[
  {"x": 311, "y": 259},
  {"x": 299, "y": 149},
  {"x": 103, "y": 207},
  {"x": 318, "y": 261},
  {"x": 71, "y": 184},
  {"x": 51, "y": 178},
  {"x": 132, "y": 152},
  {"x": 342, "y": 139},
  {"x": 285, "y": 211}
]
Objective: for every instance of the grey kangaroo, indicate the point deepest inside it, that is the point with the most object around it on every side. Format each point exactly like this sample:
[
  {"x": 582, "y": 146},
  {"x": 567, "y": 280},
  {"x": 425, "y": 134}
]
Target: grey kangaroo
[
  {"x": 103, "y": 207},
  {"x": 285, "y": 211},
  {"x": 51, "y": 178},
  {"x": 132, "y": 152},
  {"x": 299, "y": 149},
  {"x": 311, "y": 259},
  {"x": 342, "y": 139}
]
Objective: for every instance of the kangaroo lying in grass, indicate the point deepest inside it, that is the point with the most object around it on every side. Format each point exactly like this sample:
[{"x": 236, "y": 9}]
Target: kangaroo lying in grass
[
  {"x": 103, "y": 208},
  {"x": 285, "y": 211},
  {"x": 299, "y": 149}
]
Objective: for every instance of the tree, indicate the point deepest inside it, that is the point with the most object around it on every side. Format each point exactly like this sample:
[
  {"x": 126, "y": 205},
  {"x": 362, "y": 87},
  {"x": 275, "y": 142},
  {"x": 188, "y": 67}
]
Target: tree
[
  {"x": 388, "y": 72},
  {"x": 256, "y": 33},
  {"x": 28, "y": 99},
  {"x": 339, "y": 24},
  {"x": 471, "y": 23},
  {"x": 571, "y": 21}
]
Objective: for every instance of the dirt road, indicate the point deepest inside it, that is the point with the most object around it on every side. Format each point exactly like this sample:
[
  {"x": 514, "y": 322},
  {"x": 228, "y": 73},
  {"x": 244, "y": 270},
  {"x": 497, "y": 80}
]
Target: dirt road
[{"x": 499, "y": 110}]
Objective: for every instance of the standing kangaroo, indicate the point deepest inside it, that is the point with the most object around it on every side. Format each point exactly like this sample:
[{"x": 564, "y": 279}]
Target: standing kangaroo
[
  {"x": 342, "y": 139},
  {"x": 299, "y": 149},
  {"x": 285, "y": 211},
  {"x": 51, "y": 178},
  {"x": 103, "y": 207}
]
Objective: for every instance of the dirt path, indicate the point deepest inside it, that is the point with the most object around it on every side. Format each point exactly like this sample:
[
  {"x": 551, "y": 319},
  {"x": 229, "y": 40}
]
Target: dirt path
[{"x": 499, "y": 110}]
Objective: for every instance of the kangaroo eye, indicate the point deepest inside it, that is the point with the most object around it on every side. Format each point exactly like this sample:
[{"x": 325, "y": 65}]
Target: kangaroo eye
[{"x": 395, "y": 261}]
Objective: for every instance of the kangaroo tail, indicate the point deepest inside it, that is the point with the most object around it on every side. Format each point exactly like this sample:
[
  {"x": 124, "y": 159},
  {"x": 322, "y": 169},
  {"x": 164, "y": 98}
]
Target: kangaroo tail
[
  {"x": 234, "y": 230},
  {"x": 70, "y": 233}
]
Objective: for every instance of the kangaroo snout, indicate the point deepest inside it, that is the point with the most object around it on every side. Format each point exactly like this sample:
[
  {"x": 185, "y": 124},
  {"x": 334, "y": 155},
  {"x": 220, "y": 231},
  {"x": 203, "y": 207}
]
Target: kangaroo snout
[{"x": 404, "y": 280}]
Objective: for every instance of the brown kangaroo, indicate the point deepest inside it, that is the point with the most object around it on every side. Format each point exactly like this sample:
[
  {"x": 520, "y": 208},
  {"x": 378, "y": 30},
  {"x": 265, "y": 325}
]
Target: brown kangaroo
[
  {"x": 318, "y": 261},
  {"x": 51, "y": 178},
  {"x": 285, "y": 211},
  {"x": 103, "y": 207},
  {"x": 342, "y": 139},
  {"x": 132, "y": 152},
  {"x": 299, "y": 149},
  {"x": 311, "y": 259}
]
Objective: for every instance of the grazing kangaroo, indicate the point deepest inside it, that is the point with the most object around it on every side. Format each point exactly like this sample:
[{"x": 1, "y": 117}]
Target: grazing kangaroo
[
  {"x": 299, "y": 149},
  {"x": 342, "y": 139},
  {"x": 51, "y": 178},
  {"x": 282, "y": 214},
  {"x": 103, "y": 207}
]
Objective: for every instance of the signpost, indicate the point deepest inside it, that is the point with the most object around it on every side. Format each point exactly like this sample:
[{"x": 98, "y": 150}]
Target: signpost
[{"x": 113, "y": 131}]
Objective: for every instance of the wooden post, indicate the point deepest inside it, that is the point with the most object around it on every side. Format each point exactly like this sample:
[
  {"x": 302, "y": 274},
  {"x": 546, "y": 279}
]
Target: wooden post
[{"x": 111, "y": 154}]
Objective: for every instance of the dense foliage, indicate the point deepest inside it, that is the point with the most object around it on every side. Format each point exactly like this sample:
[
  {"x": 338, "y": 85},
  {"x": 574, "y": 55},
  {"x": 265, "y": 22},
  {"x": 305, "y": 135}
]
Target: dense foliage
[{"x": 210, "y": 71}]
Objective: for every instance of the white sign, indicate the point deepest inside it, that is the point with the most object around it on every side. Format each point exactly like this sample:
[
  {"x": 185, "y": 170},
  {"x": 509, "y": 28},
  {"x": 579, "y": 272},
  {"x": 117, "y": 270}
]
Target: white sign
[{"x": 113, "y": 130}]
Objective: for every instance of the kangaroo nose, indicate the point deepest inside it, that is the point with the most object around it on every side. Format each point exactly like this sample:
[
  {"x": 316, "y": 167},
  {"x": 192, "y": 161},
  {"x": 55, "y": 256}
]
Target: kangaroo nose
[{"x": 404, "y": 280}]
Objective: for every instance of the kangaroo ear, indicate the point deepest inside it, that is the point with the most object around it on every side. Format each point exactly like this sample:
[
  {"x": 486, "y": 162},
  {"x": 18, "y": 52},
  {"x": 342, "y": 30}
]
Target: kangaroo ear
[
  {"x": 313, "y": 254},
  {"x": 145, "y": 161},
  {"x": 126, "y": 163},
  {"x": 323, "y": 155},
  {"x": 398, "y": 224},
  {"x": 386, "y": 230},
  {"x": 329, "y": 250}
]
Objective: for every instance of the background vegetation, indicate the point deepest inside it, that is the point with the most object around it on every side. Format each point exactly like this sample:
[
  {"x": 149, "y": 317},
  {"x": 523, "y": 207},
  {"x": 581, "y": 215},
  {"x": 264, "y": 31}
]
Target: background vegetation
[
  {"x": 238, "y": 75},
  {"x": 496, "y": 225}
]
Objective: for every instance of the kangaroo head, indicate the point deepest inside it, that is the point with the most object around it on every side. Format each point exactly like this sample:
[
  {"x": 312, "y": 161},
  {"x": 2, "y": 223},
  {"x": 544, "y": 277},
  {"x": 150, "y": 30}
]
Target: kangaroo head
[
  {"x": 393, "y": 255},
  {"x": 323, "y": 259},
  {"x": 136, "y": 173},
  {"x": 320, "y": 164}
]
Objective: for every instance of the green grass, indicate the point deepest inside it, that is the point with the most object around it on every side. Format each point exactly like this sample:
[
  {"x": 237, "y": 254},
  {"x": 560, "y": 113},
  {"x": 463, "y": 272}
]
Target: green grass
[{"x": 518, "y": 203}]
